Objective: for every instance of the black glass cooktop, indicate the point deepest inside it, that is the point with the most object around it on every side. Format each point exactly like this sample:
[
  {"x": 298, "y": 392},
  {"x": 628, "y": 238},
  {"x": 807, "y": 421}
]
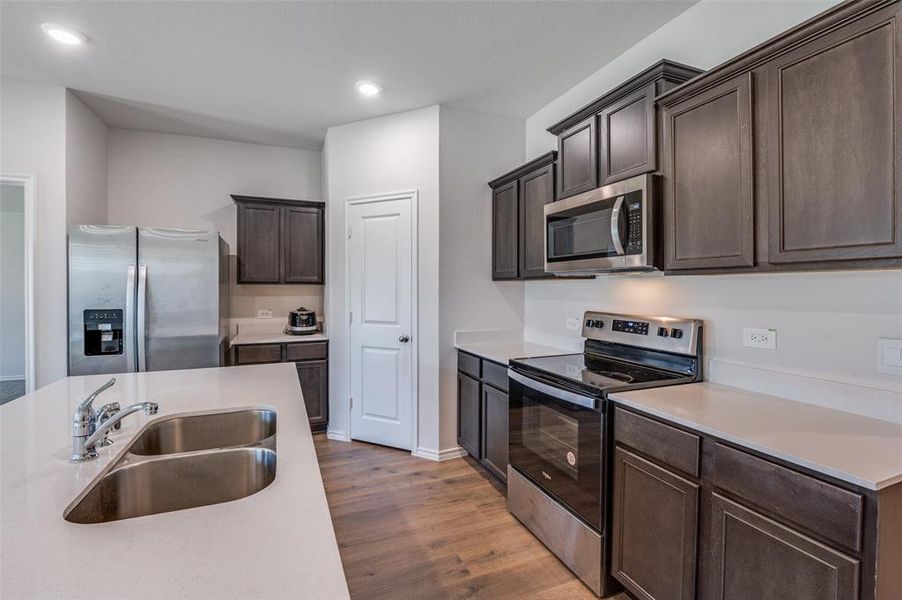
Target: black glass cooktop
[{"x": 595, "y": 371}]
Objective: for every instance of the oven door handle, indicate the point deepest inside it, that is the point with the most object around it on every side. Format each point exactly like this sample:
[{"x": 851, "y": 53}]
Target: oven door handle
[
  {"x": 615, "y": 225},
  {"x": 564, "y": 395}
]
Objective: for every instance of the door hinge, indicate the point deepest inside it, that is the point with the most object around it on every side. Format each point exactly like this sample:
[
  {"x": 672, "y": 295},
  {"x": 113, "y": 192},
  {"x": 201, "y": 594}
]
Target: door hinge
[
  {"x": 352, "y": 401},
  {"x": 349, "y": 232},
  {"x": 350, "y": 317}
]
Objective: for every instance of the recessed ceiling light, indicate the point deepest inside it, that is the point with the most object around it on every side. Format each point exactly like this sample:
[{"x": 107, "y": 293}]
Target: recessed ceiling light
[
  {"x": 64, "y": 35},
  {"x": 368, "y": 88}
]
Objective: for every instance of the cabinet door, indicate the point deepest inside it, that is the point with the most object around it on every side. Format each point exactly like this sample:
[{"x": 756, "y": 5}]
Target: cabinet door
[
  {"x": 708, "y": 187},
  {"x": 627, "y": 136},
  {"x": 655, "y": 530},
  {"x": 536, "y": 190},
  {"x": 314, "y": 378},
  {"x": 259, "y": 229},
  {"x": 303, "y": 242},
  {"x": 754, "y": 557},
  {"x": 468, "y": 414},
  {"x": 505, "y": 229},
  {"x": 577, "y": 159},
  {"x": 833, "y": 139},
  {"x": 494, "y": 433}
]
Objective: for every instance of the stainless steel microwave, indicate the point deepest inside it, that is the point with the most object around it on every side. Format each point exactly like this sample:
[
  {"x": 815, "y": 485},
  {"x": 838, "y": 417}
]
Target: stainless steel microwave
[{"x": 606, "y": 229}]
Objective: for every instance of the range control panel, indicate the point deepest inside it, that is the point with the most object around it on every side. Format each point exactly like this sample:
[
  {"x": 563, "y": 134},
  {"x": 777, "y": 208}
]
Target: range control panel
[
  {"x": 657, "y": 333},
  {"x": 103, "y": 331}
]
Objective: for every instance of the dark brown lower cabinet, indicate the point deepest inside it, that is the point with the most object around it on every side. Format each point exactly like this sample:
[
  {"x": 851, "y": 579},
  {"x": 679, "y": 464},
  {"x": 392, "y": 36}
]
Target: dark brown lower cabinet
[
  {"x": 494, "y": 431},
  {"x": 754, "y": 557},
  {"x": 314, "y": 378},
  {"x": 655, "y": 529},
  {"x": 468, "y": 414},
  {"x": 312, "y": 364}
]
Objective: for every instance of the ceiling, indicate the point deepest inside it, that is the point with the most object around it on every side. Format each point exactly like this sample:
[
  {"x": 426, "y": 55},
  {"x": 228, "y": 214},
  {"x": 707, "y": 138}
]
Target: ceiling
[{"x": 283, "y": 72}]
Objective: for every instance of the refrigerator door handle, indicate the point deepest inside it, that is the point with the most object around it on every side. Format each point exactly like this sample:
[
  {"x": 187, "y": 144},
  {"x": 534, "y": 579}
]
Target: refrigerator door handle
[
  {"x": 142, "y": 318},
  {"x": 129, "y": 325}
]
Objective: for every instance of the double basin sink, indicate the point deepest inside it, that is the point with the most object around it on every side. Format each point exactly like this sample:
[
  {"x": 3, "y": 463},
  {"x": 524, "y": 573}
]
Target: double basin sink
[{"x": 184, "y": 461}]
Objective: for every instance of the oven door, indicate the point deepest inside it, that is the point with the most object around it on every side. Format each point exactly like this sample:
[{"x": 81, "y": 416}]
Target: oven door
[{"x": 555, "y": 441}]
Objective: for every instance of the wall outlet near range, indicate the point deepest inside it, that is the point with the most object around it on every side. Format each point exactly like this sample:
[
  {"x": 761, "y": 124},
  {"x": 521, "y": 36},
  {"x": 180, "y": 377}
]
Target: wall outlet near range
[
  {"x": 573, "y": 323},
  {"x": 264, "y": 313},
  {"x": 755, "y": 337}
]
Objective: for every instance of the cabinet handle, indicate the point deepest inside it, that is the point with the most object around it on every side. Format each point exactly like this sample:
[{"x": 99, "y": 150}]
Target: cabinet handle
[{"x": 404, "y": 339}]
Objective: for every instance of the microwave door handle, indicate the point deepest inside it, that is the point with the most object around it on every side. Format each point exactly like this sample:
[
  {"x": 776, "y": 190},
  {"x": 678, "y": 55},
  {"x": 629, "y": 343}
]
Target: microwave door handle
[
  {"x": 615, "y": 225},
  {"x": 564, "y": 395}
]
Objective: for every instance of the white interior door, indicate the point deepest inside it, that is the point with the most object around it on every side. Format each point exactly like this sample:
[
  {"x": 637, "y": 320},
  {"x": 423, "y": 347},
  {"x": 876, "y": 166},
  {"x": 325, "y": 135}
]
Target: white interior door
[{"x": 380, "y": 289}]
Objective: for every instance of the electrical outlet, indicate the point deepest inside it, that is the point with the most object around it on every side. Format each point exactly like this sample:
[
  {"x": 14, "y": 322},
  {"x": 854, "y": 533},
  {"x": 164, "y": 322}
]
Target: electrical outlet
[
  {"x": 889, "y": 356},
  {"x": 754, "y": 337},
  {"x": 264, "y": 313},
  {"x": 573, "y": 323}
]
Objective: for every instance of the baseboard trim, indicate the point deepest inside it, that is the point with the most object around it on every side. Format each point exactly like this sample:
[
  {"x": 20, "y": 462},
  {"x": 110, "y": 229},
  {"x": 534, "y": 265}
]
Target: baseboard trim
[
  {"x": 441, "y": 455},
  {"x": 338, "y": 436},
  {"x": 12, "y": 377}
]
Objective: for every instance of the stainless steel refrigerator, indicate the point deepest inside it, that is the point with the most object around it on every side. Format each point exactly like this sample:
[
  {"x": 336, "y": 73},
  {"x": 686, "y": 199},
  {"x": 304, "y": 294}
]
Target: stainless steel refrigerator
[{"x": 146, "y": 299}]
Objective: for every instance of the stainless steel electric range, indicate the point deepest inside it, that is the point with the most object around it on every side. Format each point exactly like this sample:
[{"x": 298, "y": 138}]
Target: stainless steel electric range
[{"x": 560, "y": 442}]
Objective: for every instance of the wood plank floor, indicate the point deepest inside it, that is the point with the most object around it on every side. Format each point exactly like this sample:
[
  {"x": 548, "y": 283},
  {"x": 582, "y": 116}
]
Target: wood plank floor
[{"x": 410, "y": 528}]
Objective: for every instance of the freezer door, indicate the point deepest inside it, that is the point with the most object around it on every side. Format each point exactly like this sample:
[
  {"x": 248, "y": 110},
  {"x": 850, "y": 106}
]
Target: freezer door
[
  {"x": 102, "y": 285},
  {"x": 178, "y": 299}
]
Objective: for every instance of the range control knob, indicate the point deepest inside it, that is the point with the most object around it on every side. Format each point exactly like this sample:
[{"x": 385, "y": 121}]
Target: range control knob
[
  {"x": 599, "y": 324},
  {"x": 676, "y": 333},
  {"x": 662, "y": 332},
  {"x": 589, "y": 323}
]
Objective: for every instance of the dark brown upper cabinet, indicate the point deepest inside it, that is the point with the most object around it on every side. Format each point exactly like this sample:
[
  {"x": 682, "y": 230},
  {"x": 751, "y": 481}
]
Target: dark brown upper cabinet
[
  {"x": 708, "y": 187},
  {"x": 505, "y": 231},
  {"x": 787, "y": 156},
  {"x": 614, "y": 137},
  {"x": 833, "y": 137},
  {"x": 518, "y": 219},
  {"x": 280, "y": 241},
  {"x": 577, "y": 170}
]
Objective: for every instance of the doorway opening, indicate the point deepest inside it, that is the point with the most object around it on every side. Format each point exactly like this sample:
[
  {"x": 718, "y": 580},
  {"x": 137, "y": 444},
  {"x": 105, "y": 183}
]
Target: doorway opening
[{"x": 16, "y": 285}]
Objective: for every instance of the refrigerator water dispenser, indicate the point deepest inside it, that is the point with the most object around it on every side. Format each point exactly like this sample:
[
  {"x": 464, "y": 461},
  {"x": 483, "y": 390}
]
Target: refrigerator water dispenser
[{"x": 103, "y": 332}]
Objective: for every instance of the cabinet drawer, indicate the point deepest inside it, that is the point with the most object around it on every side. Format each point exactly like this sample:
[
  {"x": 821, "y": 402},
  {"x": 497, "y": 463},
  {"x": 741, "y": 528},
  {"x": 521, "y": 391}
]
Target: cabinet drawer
[
  {"x": 306, "y": 351},
  {"x": 494, "y": 374},
  {"x": 819, "y": 507},
  {"x": 671, "y": 446},
  {"x": 469, "y": 364},
  {"x": 263, "y": 353}
]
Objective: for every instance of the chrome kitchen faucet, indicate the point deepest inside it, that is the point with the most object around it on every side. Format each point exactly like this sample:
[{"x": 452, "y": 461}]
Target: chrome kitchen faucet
[{"x": 90, "y": 428}]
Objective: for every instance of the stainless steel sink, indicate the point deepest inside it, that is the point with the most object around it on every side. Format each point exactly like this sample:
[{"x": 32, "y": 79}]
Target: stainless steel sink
[
  {"x": 188, "y": 433},
  {"x": 183, "y": 461}
]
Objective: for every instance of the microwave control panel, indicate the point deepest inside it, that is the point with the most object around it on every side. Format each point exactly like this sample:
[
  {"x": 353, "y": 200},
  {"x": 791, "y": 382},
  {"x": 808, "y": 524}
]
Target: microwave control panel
[
  {"x": 637, "y": 327},
  {"x": 633, "y": 207}
]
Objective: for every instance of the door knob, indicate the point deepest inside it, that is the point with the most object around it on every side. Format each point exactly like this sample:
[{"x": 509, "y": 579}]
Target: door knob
[{"x": 404, "y": 339}]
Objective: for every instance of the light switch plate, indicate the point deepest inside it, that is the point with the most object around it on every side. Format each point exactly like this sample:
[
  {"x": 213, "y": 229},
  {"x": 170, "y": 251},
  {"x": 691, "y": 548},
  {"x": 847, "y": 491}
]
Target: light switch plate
[
  {"x": 264, "y": 313},
  {"x": 573, "y": 323},
  {"x": 755, "y": 337},
  {"x": 889, "y": 356}
]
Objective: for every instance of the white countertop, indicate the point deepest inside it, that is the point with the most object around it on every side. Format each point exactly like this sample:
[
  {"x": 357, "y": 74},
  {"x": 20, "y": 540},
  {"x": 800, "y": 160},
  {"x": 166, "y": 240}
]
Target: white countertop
[
  {"x": 860, "y": 450},
  {"x": 503, "y": 352},
  {"x": 272, "y": 337},
  {"x": 269, "y": 331},
  {"x": 277, "y": 543}
]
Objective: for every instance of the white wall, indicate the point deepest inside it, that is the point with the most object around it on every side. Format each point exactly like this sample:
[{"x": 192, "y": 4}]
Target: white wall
[
  {"x": 474, "y": 148},
  {"x": 387, "y": 154},
  {"x": 86, "y": 164},
  {"x": 163, "y": 180},
  {"x": 33, "y": 142},
  {"x": 827, "y": 323},
  {"x": 12, "y": 282}
]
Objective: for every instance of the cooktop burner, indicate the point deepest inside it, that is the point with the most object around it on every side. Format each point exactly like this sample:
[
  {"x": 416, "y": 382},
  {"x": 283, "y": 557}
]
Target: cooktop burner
[{"x": 594, "y": 371}]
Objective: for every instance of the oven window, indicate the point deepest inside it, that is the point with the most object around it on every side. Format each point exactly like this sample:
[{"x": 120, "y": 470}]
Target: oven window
[
  {"x": 552, "y": 436},
  {"x": 582, "y": 232}
]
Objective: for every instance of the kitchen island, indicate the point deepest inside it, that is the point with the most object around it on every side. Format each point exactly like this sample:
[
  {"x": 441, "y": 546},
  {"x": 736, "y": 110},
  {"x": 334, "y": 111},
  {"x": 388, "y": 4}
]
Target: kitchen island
[{"x": 277, "y": 543}]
